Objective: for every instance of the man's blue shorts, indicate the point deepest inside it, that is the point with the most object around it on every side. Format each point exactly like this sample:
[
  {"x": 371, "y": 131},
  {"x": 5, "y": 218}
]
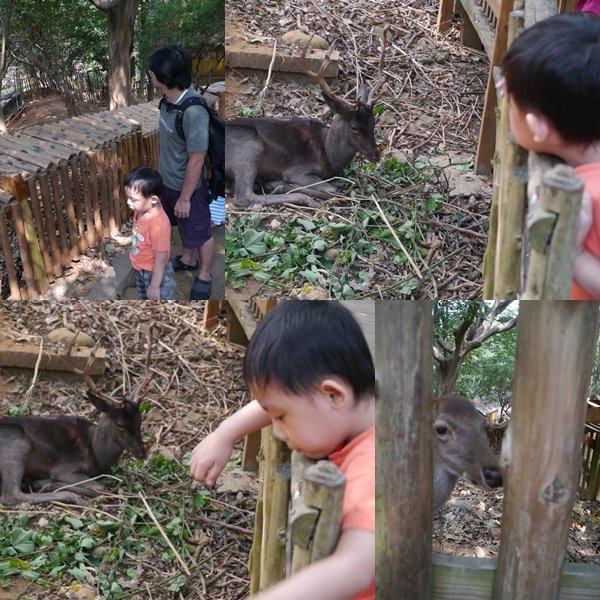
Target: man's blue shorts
[{"x": 194, "y": 230}]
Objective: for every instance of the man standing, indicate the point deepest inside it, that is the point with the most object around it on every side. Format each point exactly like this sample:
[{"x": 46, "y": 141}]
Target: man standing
[{"x": 185, "y": 196}]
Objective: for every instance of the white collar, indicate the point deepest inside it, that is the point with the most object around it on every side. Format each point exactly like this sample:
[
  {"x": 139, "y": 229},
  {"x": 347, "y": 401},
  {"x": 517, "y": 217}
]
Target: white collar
[{"x": 182, "y": 95}]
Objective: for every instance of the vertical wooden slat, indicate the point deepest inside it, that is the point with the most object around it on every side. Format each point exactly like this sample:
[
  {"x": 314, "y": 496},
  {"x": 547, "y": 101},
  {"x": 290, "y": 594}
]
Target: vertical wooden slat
[
  {"x": 60, "y": 218},
  {"x": 103, "y": 189},
  {"x": 9, "y": 261},
  {"x": 541, "y": 456},
  {"x": 36, "y": 209},
  {"x": 84, "y": 174},
  {"x": 19, "y": 229},
  {"x": 404, "y": 334},
  {"x": 122, "y": 173},
  {"x": 78, "y": 202},
  {"x": 34, "y": 269},
  {"x": 115, "y": 194},
  {"x": 94, "y": 176},
  {"x": 75, "y": 250},
  {"x": 55, "y": 251}
]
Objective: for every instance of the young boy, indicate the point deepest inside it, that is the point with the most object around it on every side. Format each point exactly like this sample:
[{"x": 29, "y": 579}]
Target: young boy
[
  {"x": 309, "y": 368},
  {"x": 552, "y": 80},
  {"x": 150, "y": 237}
]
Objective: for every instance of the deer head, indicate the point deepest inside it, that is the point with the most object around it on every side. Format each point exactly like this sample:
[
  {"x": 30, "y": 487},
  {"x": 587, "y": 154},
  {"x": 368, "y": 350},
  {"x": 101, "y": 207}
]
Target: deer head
[
  {"x": 358, "y": 119},
  {"x": 461, "y": 448}
]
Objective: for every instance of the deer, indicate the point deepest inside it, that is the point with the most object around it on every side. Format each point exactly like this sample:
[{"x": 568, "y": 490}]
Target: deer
[
  {"x": 47, "y": 453},
  {"x": 461, "y": 449},
  {"x": 292, "y": 159}
]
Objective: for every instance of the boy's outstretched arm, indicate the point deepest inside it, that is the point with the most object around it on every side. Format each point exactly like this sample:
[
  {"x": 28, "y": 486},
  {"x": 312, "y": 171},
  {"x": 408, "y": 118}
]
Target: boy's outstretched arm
[
  {"x": 586, "y": 272},
  {"x": 210, "y": 456},
  {"x": 340, "y": 576}
]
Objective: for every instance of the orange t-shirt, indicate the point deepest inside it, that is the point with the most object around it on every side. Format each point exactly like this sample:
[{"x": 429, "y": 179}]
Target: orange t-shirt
[
  {"x": 356, "y": 460},
  {"x": 591, "y": 178},
  {"x": 149, "y": 236}
]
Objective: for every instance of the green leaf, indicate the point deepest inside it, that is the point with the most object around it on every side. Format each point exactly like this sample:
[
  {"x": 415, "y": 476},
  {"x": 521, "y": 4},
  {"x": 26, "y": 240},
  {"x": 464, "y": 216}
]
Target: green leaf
[{"x": 22, "y": 540}]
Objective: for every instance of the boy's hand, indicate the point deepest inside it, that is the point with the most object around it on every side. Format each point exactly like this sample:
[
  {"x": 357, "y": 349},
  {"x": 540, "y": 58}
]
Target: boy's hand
[
  {"x": 153, "y": 292},
  {"x": 209, "y": 458}
]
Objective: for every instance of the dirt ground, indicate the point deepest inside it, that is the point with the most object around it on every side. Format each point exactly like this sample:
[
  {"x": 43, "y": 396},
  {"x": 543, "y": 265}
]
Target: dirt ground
[
  {"x": 431, "y": 116},
  {"x": 196, "y": 382}
]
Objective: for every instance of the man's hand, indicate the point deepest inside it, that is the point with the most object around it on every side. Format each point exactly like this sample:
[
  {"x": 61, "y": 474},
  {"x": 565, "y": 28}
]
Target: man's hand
[{"x": 182, "y": 208}]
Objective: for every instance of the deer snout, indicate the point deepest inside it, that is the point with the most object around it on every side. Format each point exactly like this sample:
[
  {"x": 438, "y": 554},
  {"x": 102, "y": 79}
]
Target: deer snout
[
  {"x": 492, "y": 477},
  {"x": 372, "y": 155}
]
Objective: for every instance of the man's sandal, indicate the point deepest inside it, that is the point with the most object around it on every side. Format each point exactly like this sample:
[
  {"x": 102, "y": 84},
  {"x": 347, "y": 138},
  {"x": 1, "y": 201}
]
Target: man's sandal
[
  {"x": 200, "y": 290},
  {"x": 181, "y": 266}
]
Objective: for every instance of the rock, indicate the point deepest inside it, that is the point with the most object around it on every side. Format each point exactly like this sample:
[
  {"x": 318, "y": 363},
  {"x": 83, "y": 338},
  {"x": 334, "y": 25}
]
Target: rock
[
  {"x": 63, "y": 334},
  {"x": 299, "y": 37}
]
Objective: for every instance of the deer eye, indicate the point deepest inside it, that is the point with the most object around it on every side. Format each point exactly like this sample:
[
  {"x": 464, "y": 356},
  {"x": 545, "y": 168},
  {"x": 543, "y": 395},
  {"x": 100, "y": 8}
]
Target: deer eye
[{"x": 441, "y": 430}]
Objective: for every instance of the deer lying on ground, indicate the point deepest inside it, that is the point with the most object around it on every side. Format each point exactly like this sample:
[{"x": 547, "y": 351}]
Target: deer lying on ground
[
  {"x": 291, "y": 159},
  {"x": 46, "y": 453},
  {"x": 461, "y": 449}
]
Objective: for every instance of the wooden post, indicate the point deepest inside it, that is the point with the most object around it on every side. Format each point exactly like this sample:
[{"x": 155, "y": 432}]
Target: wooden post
[
  {"x": 552, "y": 223},
  {"x": 404, "y": 334},
  {"x": 511, "y": 204},
  {"x": 275, "y": 469},
  {"x": 33, "y": 261},
  {"x": 556, "y": 344},
  {"x": 316, "y": 513}
]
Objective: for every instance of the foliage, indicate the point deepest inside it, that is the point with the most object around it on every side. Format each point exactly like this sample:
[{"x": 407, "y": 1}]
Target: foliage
[
  {"x": 474, "y": 347},
  {"x": 190, "y": 23},
  {"x": 58, "y": 35},
  {"x": 327, "y": 250},
  {"x": 102, "y": 550}
]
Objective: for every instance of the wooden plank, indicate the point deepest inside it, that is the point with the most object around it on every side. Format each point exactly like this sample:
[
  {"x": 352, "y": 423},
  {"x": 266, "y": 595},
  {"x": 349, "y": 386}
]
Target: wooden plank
[
  {"x": 115, "y": 193},
  {"x": 84, "y": 174},
  {"x": 9, "y": 261},
  {"x": 25, "y": 355},
  {"x": 107, "y": 225},
  {"x": 466, "y": 578},
  {"x": 19, "y": 229},
  {"x": 554, "y": 359},
  {"x": 15, "y": 149},
  {"x": 59, "y": 220},
  {"x": 36, "y": 209},
  {"x": 75, "y": 177},
  {"x": 538, "y": 10},
  {"x": 66, "y": 183},
  {"x": 94, "y": 175},
  {"x": 33, "y": 253},
  {"x": 55, "y": 251},
  {"x": 241, "y": 323}
]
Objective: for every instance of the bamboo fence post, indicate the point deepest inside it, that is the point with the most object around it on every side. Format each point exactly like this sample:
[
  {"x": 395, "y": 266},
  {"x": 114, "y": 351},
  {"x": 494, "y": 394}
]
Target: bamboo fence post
[
  {"x": 541, "y": 456},
  {"x": 511, "y": 201},
  {"x": 316, "y": 513},
  {"x": 34, "y": 270},
  {"x": 552, "y": 224},
  {"x": 65, "y": 250},
  {"x": 55, "y": 251},
  {"x": 9, "y": 261},
  {"x": 404, "y": 333},
  {"x": 275, "y": 476}
]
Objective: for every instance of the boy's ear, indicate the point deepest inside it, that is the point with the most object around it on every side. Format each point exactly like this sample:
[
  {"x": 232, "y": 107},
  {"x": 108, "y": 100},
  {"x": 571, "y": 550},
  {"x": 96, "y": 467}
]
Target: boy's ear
[
  {"x": 154, "y": 199},
  {"x": 539, "y": 126},
  {"x": 336, "y": 392}
]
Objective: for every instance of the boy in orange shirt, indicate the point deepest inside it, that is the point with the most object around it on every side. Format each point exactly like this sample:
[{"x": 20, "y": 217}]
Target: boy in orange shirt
[
  {"x": 552, "y": 81},
  {"x": 150, "y": 237},
  {"x": 309, "y": 367}
]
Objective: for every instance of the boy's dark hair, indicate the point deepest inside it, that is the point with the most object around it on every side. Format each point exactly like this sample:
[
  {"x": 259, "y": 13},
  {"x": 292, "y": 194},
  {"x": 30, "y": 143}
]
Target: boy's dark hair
[
  {"x": 172, "y": 66},
  {"x": 553, "y": 67},
  {"x": 300, "y": 342},
  {"x": 144, "y": 180}
]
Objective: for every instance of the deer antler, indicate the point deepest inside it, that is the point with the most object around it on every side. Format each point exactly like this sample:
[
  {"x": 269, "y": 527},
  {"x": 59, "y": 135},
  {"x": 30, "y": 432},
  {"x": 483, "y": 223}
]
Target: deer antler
[
  {"x": 85, "y": 372},
  {"x": 373, "y": 96},
  {"x": 137, "y": 391},
  {"x": 319, "y": 75}
]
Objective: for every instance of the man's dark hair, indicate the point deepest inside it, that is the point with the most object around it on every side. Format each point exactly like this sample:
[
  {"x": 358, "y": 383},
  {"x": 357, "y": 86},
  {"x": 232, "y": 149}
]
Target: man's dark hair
[
  {"x": 172, "y": 66},
  {"x": 553, "y": 67},
  {"x": 144, "y": 180},
  {"x": 300, "y": 342}
]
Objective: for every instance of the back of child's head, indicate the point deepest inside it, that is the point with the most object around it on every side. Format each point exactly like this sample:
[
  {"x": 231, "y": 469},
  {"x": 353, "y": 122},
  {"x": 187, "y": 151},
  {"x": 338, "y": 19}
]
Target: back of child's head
[
  {"x": 553, "y": 68},
  {"x": 301, "y": 342},
  {"x": 146, "y": 181},
  {"x": 172, "y": 66}
]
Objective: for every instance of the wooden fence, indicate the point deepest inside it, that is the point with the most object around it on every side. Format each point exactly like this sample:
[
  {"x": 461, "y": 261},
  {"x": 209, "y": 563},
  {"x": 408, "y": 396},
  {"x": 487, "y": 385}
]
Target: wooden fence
[
  {"x": 555, "y": 351},
  {"x": 63, "y": 190}
]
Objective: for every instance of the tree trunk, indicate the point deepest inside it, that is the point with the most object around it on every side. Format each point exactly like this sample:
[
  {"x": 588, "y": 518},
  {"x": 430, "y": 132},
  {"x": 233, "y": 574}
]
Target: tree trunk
[{"x": 120, "y": 16}]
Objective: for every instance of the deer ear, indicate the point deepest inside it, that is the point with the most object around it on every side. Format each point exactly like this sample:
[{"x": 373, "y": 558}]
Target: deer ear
[
  {"x": 337, "y": 105},
  {"x": 362, "y": 97},
  {"x": 100, "y": 403}
]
